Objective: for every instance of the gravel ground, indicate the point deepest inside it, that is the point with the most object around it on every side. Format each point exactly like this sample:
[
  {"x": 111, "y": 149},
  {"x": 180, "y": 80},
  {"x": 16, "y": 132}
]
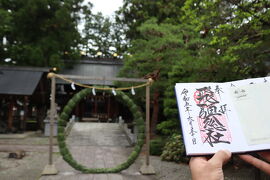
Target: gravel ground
[
  {"x": 32, "y": 164},
  {"x": 169, "y": 170},
  {"x": 27, "y": 168},
  {"x": 36, "y": 147}
]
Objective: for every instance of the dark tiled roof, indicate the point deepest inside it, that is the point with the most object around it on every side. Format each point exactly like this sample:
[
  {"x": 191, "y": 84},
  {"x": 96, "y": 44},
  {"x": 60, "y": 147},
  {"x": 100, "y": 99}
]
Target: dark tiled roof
[{"x": 19, "y": 80}]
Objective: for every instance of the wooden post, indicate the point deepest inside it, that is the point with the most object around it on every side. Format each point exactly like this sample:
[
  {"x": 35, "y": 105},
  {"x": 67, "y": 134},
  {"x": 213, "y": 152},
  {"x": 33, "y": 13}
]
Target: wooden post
[
  {"x": 147, "y": 105},
  {"x": 147, "y": 168},
  {"x": 50, "y": 168},
  {"x": 52, "y": 115},
  {"x": 25, "y": 113},
  {"x": 96, "y": 104},
  {"x": 10, "y": 114},
  {"x": 108, "y": 107}
]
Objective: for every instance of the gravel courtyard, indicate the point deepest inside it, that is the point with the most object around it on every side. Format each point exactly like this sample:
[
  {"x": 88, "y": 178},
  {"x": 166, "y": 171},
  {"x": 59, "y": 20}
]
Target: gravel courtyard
[{"x": 36, "y": 147}]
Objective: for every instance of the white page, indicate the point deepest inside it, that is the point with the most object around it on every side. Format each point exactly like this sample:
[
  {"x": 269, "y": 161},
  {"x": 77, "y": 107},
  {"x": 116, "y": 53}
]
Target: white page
[{"x": 252, "y": 104}]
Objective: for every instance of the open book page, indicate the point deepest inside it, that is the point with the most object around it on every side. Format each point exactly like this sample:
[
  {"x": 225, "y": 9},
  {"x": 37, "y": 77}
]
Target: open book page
[
  {"x": 251, "y": 102},
  {"x": 210, "y": 121},
  {"x": 205, "y": 113}
]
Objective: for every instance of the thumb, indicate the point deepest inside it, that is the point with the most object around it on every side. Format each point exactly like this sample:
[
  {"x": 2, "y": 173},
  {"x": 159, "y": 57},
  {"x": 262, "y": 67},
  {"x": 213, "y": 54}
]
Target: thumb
[{"x": 221, "y": 157}]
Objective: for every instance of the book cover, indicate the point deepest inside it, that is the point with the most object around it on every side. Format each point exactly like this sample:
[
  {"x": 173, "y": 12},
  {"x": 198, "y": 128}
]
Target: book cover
[{"x": 232, "y": 115}]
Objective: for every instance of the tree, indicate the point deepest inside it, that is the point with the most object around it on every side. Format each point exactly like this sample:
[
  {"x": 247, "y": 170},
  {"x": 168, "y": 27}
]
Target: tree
[
  {"x": 5, "y": 28},
  {"x": 246, "y": 40},
  {"x": 135, "y": 12},
  {"x": 96, "y": 32},
  {"x": 102, "y": 34},
  {"x": 235, "y": 47},
  {"x": 238, "y": 30},
  {"x": 40, "y": 32},
  {"x": 153, "y": 55}
]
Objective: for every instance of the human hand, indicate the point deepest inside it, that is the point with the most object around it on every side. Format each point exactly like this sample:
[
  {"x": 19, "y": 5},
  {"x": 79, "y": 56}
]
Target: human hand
[
  {"x": 204, "y": 169},
  {"x": 258, "y": 163}
]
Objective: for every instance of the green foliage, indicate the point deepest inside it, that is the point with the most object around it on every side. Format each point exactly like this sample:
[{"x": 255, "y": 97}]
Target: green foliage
[
  {"x": 61, "y": 138},
  {"x": 237, "y": 31},
  {"x": 225, "y": 41},
  {"x": 168, "y": 127},
  {"x": 157, "y": 49},
  {"x": 156, "y": 146},
  {"x": 174, "y": 149},
  {"x": 38, "y": 32},
  {"x": 155, "y": 52},
  {"x": 136, "y": 12}
]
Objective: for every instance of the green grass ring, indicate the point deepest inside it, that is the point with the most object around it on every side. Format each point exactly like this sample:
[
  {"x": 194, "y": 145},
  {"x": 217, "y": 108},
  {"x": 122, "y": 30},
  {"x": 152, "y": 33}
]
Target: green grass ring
[{"x": 67, "y": 156}]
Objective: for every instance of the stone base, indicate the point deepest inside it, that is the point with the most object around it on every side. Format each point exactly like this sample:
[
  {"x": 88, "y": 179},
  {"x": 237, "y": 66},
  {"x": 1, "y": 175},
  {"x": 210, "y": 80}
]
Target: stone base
[
  {"x": 49, "y": 170},
  {"x": 147, "y": 169}
]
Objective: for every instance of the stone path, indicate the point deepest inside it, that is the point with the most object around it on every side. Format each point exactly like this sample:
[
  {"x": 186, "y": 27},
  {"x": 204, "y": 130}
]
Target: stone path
[{"x": 98, "y": 145}]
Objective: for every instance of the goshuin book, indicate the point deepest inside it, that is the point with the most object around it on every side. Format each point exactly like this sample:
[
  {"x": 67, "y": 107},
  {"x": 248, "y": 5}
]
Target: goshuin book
[{"x": 232, "y": 115}]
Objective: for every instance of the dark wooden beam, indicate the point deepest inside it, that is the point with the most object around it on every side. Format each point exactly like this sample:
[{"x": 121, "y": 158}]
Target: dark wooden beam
[{"x": 10, "y": 114}]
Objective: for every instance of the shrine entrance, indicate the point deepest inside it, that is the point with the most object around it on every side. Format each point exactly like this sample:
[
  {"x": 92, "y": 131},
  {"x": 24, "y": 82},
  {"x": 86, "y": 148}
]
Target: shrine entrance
[{"x": 121, "y": 96}]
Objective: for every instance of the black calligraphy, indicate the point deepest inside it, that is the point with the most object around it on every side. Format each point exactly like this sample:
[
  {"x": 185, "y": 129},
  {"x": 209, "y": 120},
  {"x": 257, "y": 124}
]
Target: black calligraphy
[
  {"x": 188, "y": 110},
  {"x": 211, "y": 118}
]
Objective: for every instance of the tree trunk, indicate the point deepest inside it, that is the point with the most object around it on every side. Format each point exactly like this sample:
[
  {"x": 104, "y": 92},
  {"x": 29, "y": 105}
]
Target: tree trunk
[{"x": 155, "y": 112}]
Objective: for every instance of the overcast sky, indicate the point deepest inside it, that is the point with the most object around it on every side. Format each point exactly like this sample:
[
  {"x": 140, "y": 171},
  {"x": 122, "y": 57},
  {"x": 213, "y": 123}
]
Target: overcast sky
[{"x": 107, "y": 7}]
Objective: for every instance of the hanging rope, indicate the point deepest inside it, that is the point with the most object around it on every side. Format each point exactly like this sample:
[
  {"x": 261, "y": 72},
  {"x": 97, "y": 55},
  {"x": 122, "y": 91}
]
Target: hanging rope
[{"x": 148, "y": 83}]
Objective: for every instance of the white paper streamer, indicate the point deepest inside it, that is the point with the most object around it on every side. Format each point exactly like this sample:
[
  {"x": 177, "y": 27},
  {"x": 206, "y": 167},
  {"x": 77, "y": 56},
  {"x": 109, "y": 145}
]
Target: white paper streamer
[
  {"x": 73, "y": 86},
  {"x": 94, "y": 91},
  {"x": 132, "y": 91}
]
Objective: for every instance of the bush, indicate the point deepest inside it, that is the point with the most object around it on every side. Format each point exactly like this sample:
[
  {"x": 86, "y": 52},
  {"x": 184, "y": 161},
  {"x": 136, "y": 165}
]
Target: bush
[
  {"x": 156, "y": 146},
  {"x": 168, "y": 127},
  {"x": 174, "y": 150}
]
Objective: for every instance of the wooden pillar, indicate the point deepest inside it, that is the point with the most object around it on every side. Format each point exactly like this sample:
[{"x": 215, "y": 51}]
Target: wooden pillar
[
  {"x": 96, "y": 104},
  {"x": 42, "y": 91},
  {"x": 50, "y": 168},
  {"x": 147, "y": 105},
  {"x": 77, "y": 109},
  {"x": 52, "y": 115},
  {"x": 25, "y": 113},
  {"x": 147, "y": 168},
  {"x": 42, "y": 108},
  {"x": 109, "y": 106},
  {"x": 10, "y": 114},
  {"x": 82, "y": 109}
]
